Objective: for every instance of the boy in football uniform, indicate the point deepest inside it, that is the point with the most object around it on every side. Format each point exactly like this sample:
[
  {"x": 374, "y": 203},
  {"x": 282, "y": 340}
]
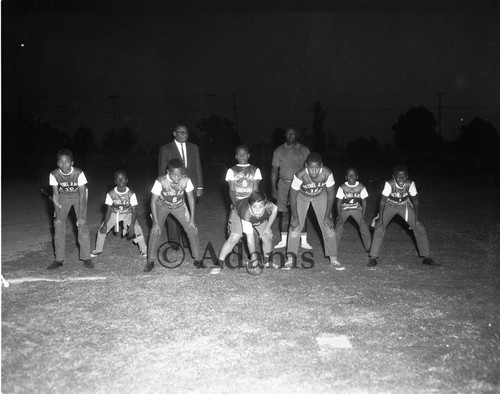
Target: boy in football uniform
[
  {"x": 122, "y": 207},
  {"x": 243, "y": 180},
  {"x": 351, "y": 202},
  {"x": 69, "y": 190},
  {"x": 400, "y": 197},
  {"x": 168, "y": 199},
  {"x": 257, "y": 216},
  {"x": 312, "y": 185}
]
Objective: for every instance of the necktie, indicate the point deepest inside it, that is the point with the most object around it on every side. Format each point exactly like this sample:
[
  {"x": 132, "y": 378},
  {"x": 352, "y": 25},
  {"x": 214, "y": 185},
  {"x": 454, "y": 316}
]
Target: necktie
[{"x": 182, "y": 154}]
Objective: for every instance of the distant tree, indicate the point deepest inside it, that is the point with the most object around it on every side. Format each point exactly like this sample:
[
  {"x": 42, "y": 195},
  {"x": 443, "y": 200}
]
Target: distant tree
[
  {"x": 83, "y": 143},
  {"x": 416, "y": 130},
  {"x": 218, "y": 138},
  {"x": 478, "y": 135}
]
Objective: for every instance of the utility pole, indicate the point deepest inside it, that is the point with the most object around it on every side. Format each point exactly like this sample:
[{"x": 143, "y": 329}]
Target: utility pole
[{"x": 439, "y": 115}]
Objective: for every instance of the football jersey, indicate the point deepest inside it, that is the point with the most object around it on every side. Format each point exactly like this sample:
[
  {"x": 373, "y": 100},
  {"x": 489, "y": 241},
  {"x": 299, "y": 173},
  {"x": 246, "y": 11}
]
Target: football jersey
[
  {"x": 171, "y": 195},
  {"x": 67, "y": 183},
  {"x": 303, "y": 182},
  {"x": 121, "y": 202},
  {"x": 243, "y": 177},
  {"x": 396, "y": 195},
  {"x": 245, "y": 213},
  {"x": 351, "y": 196}
]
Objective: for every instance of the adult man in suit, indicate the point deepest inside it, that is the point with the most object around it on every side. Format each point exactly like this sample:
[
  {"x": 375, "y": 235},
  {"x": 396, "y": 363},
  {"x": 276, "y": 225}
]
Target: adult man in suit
[{"x": 189, "y": 154}]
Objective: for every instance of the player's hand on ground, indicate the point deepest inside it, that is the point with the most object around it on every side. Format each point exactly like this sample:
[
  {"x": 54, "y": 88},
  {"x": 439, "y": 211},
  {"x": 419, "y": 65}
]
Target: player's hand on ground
[
  {"x": 268, "y": 233},
  {"x": 130, "y": 232}
]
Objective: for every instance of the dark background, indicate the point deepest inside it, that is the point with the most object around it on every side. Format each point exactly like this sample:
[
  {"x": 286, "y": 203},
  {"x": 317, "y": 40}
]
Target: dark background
[{"x": 364, "y": 81}]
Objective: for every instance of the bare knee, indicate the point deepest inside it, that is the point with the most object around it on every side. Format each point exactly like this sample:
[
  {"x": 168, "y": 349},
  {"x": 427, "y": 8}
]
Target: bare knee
[{"x": 234, "y": 238}]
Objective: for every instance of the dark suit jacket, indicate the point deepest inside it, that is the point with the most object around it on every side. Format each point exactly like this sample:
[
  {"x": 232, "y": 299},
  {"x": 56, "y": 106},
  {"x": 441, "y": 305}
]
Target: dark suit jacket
[{"x": 170, "y": 151}]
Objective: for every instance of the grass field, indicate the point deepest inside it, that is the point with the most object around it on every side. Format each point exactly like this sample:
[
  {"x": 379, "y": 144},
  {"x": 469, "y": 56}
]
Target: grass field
[{"x": 413, "y": 328}]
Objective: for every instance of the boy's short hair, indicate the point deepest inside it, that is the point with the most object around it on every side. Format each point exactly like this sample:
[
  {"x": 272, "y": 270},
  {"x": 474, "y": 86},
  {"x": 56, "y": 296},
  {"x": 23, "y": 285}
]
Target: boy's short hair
[
  {"x": 174, "y": 163},
  {"x": 64, "y": 152},
  {"x": 400, "y": 168},
  {"x": 351, "y": 169},
  {"x": 120, "y": 172},
  {"x": 314, "y": 157},
  {"x": 256, "y": 197},
  {"x": 241, "y": 146}
]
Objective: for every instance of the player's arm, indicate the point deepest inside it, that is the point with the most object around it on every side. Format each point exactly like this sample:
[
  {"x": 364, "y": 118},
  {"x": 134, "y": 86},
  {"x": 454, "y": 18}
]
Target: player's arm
[
  {"x": 364, "y": 202},
  {"x": 364, "y": 206},
  {"x": 414, "y": 200},
  {"x": 155, "y": 229},
  {"x": 268, "y": 230},
  {"x": 294, "y": 220},
  {"x": 232, "y": 192},
  {"x": 131, "y": 228},
  {"x": 339, "y": 207},
  {"x": 249, "y": 232},
  {"x": 274, "y": 181},
  {"x": 104, "y": 226},
  {"x": 191, "y": 202},
  {"x": 339, "y": 196},
  {"x": 57, "y": 204},
  {"x": 133, "y": 219},
  {"x": 82, "y": 215},
  {"x": 381, "y": 208},
  {"x": 330, "y": 198}
]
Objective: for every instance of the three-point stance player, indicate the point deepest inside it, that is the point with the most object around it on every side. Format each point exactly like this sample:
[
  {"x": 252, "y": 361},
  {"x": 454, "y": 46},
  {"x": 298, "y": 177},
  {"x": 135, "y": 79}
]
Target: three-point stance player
[{"x": 312, "y": 185}]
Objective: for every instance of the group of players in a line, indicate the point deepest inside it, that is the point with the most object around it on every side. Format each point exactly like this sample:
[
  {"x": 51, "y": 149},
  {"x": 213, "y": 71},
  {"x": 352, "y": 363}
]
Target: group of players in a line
[{"x": 251, "y": 212}]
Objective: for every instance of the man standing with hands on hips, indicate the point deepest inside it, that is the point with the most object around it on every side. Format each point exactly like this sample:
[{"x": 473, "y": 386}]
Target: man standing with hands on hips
[
  {"x": 188, "y": 152},
  {"x": 287, "y": 160}
]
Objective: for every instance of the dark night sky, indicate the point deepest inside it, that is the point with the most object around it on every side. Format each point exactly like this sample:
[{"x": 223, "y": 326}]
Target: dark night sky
[{"x": 366, "y": 62}]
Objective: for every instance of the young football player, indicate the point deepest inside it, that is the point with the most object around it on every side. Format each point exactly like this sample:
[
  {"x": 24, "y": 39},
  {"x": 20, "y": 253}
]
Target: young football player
[
  {"x": 312, "y": 185},
  {"x": 351, "y": 202},
  {"x": 400, "y": 197},
  {"x": 243, "y": 180},
  {"x": 122, "y": 207},
  {"x": 257, "y": 216},
  {"x": 69, "y": 190},
  {"x": 168, "y": 199}
]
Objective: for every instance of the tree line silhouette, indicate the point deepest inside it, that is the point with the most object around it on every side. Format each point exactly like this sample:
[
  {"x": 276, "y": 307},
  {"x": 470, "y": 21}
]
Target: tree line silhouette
[{"x": 29, "y": 145}]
